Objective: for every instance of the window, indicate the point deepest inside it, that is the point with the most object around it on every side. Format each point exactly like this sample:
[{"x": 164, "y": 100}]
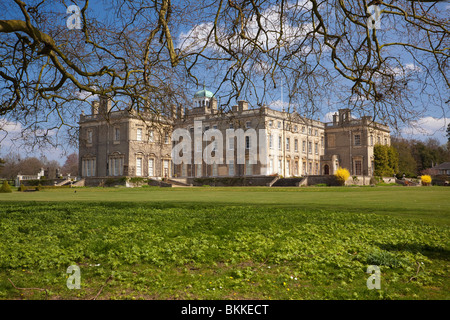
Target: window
[
  {"x": 139, "y": 134},
  {"x": 270, "y": 123},
  {"x": 309, "y": 131},
  {"x": 151, "y": 135},
  {"x": 116, "y": 134},
  {"x": 280, "y": 142},
  {"x": 231, "y": 168},
  {"x": 215, "y": 127},
  {"x": 230, "y": 143},
  {"x": 331, "y": 140},
  {"x": 214, "y": 169},
  {"x": 358, "y": 166},
  {"x": 316, "y": 133},
  {"x": 316, "y": 148},
  {"x": 379, "y": 139},
  {"x": 279, "y": 124},
  {"x": 206, "y": 128},
  {"x": 303, "y": 129},
  {"x": 303, "y": 146},
  {"x": 166, "y": 138},
  {"x": 280, "y": 166},
  {"x": 288, "y": 168},
  {"x": 151, "y": 167},
  {"x": 295, "y": 128},
  {"x": 270, "y": 166},
  {"x": 357, "y": 140},
  {"x": 115, "y": 166},
  {"x": 288, "y": 144},
  {"x": 247, "y": 142},
  {"x": 296, "y": 145},
  {"x": 248, "y": 124},
  {"x": 248, "y": 168},
  {"x": 88, "y": 168},
  {"x": 309, "y": 147},
  {"x": 89, "y": 136},
  {"x": 316, "y": 168},
  {"x": 371, "y": 140},
  {"x": 271, "y": 141},
  {"x": 138, "y": 167},
  {"x": 231, "y": 126}
]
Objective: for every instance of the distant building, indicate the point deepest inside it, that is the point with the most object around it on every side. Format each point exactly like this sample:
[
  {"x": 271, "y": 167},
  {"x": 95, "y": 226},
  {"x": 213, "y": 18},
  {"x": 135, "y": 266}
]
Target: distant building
[
  {"x": 123, "y": 143},
  {"x": 442, "y": 169},
  {"x": 349, "y": 143}
]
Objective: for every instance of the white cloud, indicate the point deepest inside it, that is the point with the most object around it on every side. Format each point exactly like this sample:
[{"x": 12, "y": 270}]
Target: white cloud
[
  {"x": 328, "y": 117},
  {"x": 278, "y": 105},
  {"x": 85, "y": 95},
  {"x": 427, "y": 127},
  {"x": 196, "y": 38}
]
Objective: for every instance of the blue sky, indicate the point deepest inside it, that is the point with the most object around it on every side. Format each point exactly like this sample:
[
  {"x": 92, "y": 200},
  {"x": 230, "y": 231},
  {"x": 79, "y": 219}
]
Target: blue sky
[{"x": 432, "y": 124}]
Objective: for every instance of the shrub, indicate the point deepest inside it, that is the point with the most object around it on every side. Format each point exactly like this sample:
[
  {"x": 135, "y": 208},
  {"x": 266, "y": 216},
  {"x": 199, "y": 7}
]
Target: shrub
[
  {"x": 426, "y": 180},
  {"x": 342, "y": 175},
  {"x": 5, "y": 188},
  {"x": 22, "y": 188}
]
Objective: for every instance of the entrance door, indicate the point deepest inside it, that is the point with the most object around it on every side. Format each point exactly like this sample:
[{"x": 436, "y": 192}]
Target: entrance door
[
  {"x": 326, "y": 169},
  {"x": 166, "y": 168}
]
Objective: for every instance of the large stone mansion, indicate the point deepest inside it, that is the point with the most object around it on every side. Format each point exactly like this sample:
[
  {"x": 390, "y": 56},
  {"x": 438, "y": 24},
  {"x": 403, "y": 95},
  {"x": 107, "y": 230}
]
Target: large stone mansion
[{"x": 132, "y": 144}]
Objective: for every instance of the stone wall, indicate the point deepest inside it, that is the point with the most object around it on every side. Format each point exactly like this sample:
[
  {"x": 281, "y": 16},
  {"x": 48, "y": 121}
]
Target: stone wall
[{"x": 231, "y": 181}]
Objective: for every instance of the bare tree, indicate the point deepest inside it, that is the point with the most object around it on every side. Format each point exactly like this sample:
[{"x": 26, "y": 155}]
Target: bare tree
[
  {"x": 146, "y": 54},
  {"x": 71, "y": 165}
]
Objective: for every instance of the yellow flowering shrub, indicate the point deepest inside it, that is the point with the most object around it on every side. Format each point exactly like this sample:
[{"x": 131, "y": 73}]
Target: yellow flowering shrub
[
  {"x": 342, "y": 175},
  {"x": 426, "y": 180}
]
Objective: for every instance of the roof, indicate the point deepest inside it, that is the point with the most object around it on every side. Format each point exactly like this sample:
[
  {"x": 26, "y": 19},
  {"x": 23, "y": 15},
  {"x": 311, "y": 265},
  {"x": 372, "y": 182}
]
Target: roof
[
  {"x": 443, "y": 166},
  {"x": 203, "y": 94}
]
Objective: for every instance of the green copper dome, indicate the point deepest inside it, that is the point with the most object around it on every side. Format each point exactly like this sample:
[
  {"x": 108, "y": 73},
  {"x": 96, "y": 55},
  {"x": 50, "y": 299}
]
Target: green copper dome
[{"x": 203, "y": 94}]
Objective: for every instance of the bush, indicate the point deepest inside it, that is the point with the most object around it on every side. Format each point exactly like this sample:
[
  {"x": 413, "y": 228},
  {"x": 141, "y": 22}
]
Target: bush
[
  {"x": 5, "y": 188},
  {"x": 22, "y": 188},
  {"x": 426, "y": 180},
  {"x": 342, "y": 175}
]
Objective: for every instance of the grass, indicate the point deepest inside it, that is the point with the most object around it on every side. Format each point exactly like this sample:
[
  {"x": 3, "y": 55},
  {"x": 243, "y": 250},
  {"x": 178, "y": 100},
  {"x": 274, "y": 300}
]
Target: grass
[{"x": 226, "y": 243}]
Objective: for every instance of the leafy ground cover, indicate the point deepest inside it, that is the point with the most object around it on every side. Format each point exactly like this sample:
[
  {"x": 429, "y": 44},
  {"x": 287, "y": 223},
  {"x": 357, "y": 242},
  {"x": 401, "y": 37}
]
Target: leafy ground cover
[{"x": 226, "y": 243}]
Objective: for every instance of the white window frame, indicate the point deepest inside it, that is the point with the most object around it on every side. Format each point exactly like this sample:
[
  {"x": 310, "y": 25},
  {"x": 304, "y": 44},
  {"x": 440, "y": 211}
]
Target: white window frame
[
  {"x": 151, "y": 167},
  {"x": 138, "y": 166}
]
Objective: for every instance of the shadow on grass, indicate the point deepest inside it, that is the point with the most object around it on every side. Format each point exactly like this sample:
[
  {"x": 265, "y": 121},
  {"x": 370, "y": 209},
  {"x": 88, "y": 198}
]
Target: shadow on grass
[{"x": 432, "y": 252}]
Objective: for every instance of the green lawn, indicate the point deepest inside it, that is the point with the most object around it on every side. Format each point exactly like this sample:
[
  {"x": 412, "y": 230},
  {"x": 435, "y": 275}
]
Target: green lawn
[{"x": 226, "y": 243}]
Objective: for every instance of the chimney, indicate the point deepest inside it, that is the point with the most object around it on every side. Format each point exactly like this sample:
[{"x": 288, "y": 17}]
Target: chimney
[
  {"x": 243, "y": 105},
  {"x": 94, "y": 107},
  {"x": 335, "y": 118},
  {"x": 180, "y": 112},
  {"x": 173, "y": 111},
  {"x": 104, "y": 105},
  {"x": 213, "y": 104},
  {"x": 344, "y": 116}
]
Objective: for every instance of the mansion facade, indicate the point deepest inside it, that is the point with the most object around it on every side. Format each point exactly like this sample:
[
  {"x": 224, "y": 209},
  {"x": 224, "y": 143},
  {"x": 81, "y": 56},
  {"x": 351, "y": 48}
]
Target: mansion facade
[{"x": 132, "y": 144}]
